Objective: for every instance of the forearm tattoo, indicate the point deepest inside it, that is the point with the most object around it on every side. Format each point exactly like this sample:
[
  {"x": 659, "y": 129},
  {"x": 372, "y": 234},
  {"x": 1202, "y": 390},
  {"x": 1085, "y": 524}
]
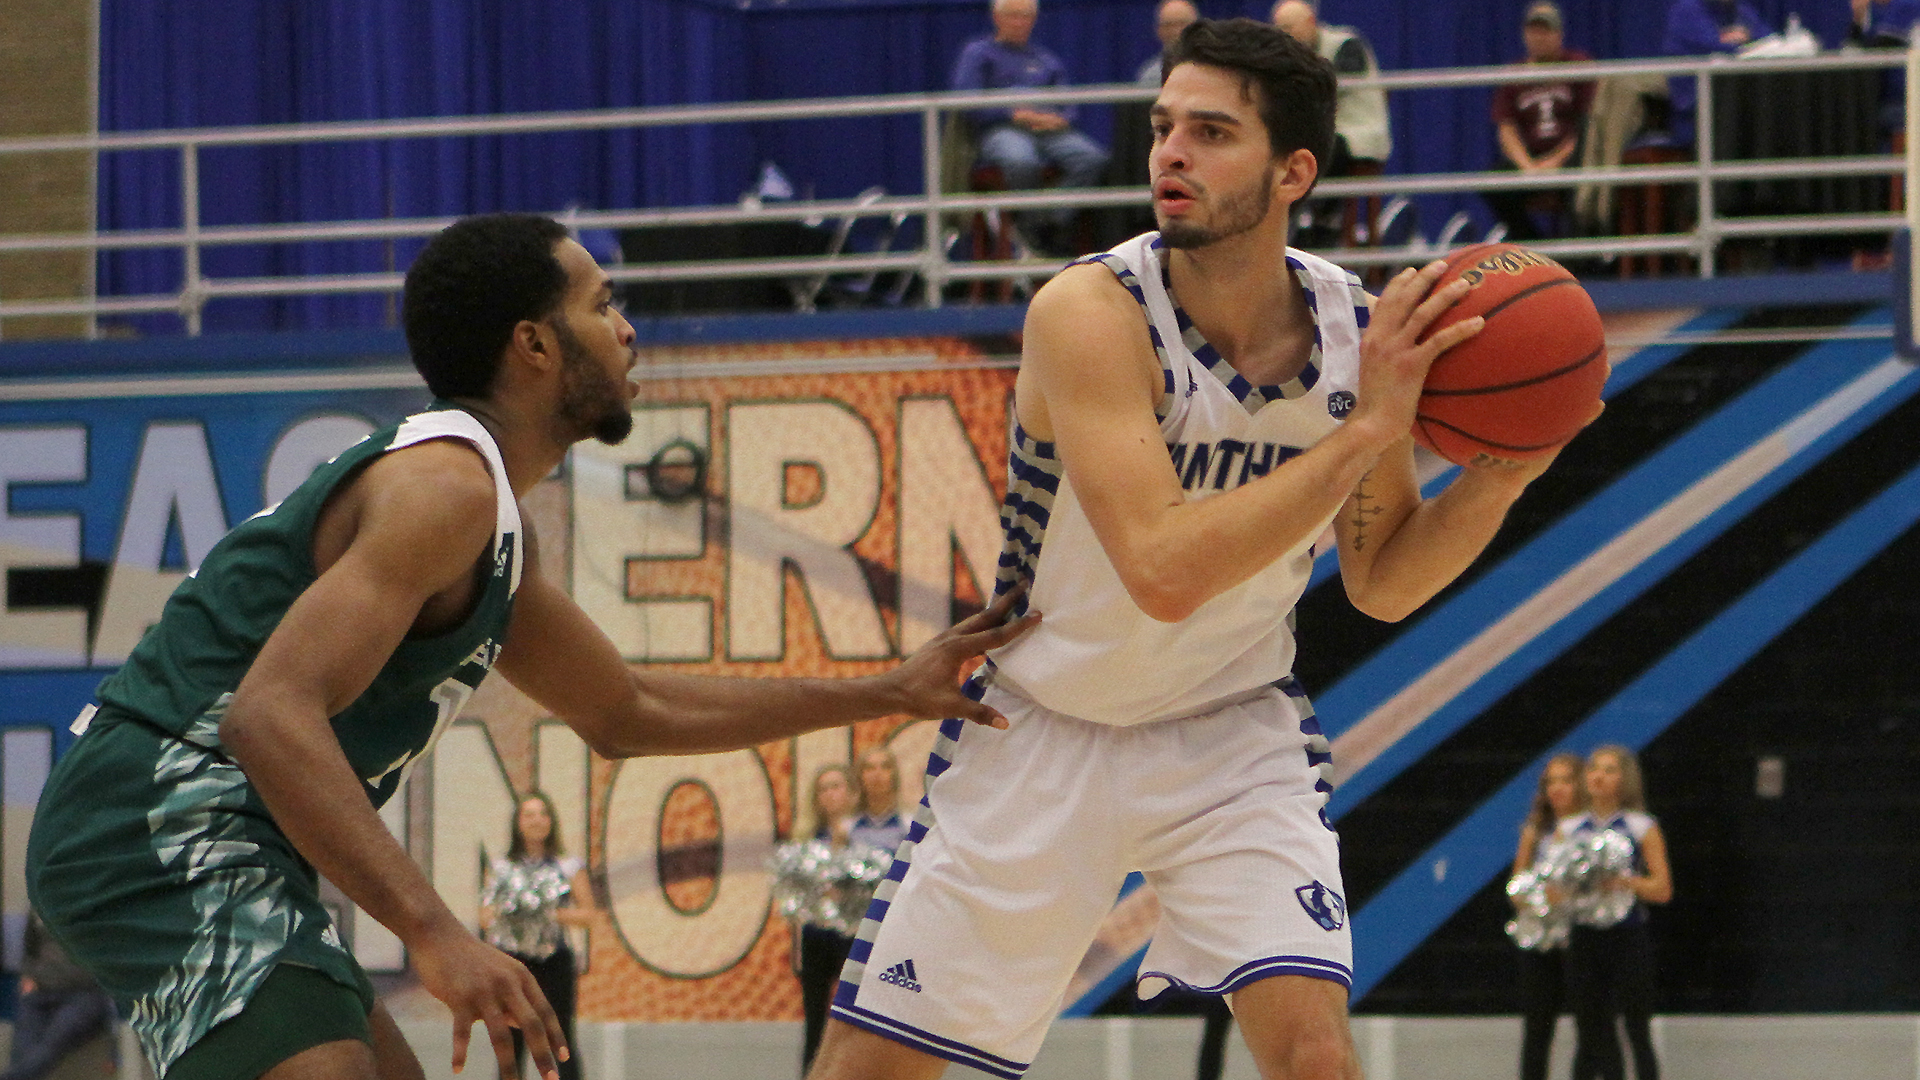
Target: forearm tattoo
[{"x": 1365, "y": 509}]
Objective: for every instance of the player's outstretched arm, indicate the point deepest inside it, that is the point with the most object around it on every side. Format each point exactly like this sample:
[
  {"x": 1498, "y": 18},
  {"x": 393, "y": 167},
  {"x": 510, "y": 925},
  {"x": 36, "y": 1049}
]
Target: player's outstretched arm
[
  {"x": 420, "y": 519},
  {"x": 558, "y": 657}
]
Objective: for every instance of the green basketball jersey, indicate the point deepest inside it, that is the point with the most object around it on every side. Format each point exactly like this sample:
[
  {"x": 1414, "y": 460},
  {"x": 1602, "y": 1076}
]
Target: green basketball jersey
[{"x": 215, "y": 623}]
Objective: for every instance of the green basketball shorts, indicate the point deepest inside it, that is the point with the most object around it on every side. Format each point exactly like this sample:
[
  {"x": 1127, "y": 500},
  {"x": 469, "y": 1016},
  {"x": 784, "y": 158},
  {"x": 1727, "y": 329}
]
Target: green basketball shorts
[{"x": 155, "y": 864}]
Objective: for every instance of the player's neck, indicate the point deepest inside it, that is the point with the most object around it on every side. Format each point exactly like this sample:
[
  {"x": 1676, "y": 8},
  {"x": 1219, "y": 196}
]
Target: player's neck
[
  {"x": 1232, "y": 291},
  {"x": 529, "y": 451},
  {"x": 1603, "y": 810}
]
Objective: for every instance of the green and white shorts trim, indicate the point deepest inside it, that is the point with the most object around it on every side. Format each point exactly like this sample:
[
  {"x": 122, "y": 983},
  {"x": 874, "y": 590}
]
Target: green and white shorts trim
[{"x": 157, "y": 866}]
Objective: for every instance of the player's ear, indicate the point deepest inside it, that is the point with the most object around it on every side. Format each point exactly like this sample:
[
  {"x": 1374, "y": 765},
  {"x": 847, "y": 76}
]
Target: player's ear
[
  {"x": 531, "y": 343},
  {"x": 1295, "y": 175}
]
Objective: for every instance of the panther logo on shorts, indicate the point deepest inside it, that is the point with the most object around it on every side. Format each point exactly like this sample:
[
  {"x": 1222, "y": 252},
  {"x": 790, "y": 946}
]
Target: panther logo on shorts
[{"x": 1323, "y": 905}]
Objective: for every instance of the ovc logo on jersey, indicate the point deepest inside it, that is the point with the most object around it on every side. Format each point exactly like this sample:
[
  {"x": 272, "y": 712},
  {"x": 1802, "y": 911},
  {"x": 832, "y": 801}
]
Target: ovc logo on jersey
[
  {"x": 1339, "y": 404},
  {"x": 1323, "y": 905},
  {"x": 902, "y": 976}
]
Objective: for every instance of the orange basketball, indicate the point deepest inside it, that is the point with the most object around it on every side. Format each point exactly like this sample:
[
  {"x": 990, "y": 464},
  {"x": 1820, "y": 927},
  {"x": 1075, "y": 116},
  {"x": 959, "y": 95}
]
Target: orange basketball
[{"x": 1527, "y": 382}]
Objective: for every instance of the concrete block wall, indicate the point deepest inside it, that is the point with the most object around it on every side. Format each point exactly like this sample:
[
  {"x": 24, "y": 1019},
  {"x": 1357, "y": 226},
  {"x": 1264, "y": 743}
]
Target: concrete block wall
[{"x": 47, "y": 51}]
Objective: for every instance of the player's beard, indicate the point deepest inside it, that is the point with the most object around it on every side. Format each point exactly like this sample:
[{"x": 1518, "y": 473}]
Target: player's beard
[
  {"x": 592, "y": 402},
  {"x": 1239, "y": 212}
]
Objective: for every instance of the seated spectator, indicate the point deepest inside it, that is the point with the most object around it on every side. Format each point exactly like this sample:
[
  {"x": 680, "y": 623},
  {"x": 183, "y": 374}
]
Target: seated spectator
[
  {"x": 60, "y": 1008},
  {"x": 1170, "y": 17},
  {"x": 1886, "y": 24},
  {"x": 1539, "y": 124},
  {"x": 1698, "y": 27},
  {"x": 1362, "y": 139},
  {"x": 1882, "y": 23},
  {"x": 1022, "y": 141}
]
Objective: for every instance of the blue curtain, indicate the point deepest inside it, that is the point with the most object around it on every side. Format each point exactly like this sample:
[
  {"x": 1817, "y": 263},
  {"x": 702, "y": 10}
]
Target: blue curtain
[{"x": 195, "y": 63}]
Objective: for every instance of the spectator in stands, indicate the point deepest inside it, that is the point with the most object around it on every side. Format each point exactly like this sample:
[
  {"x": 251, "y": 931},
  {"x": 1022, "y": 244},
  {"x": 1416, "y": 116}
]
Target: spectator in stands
[
  {"x": 1024, "y": 140},
  {"x": 1362, "y": 139},
  {"x": 60, "y": 1007},
  {"x": 1886, "y": 24},
  {"x": 1698, "y": 27},
  {"x": 1170, "y": 17},
  {"x": 1882, "y": 22},
  {"x": 1539, "y": 124}
]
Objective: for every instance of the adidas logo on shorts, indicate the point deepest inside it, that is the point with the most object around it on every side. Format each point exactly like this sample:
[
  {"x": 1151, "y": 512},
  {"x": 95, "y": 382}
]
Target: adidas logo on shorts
[{"x": 902, "y": 975}]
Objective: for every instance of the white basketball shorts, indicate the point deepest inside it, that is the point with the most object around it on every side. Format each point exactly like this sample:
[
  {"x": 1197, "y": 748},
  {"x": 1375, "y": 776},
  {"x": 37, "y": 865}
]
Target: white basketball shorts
[{"x": 1025, "y": 837}]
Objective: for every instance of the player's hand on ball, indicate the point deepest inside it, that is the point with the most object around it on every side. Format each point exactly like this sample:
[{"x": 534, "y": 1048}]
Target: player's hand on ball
[
  {"x": 483, "y": 985},
  {"x": 1393, "y": 359},
  {"x": 928, "y": 682}
]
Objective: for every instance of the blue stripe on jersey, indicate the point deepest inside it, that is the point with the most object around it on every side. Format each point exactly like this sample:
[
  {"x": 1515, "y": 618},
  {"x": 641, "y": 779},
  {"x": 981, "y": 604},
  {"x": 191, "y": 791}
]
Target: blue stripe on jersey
[
  {"x": 1132, "y": 282},
  {"x": 1319, "y": 750},
  {"x": 1033, "y": 479},
  {"x": 1250, "y": 396}
]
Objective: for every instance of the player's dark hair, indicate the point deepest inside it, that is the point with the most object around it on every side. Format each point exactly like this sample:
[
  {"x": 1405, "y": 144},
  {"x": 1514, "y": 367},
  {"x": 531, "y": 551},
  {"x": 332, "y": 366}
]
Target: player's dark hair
[
  {"x": 467, "y": 290},
  {"x": 517, "y": 847},
  {"x": 1296, "y": 85}
]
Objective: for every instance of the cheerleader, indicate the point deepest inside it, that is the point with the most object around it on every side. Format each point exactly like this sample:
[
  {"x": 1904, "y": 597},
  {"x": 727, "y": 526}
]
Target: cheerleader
[
  {"x": 1560, "y": 797},
  {"x": 1610, "y": 963}
]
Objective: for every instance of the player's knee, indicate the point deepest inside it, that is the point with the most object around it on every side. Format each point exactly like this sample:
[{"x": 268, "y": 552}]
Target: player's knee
[{"x": 1322, "y": 1055}]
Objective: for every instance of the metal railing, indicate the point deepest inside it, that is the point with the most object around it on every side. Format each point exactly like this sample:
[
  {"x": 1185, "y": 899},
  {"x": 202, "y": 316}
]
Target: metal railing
[{"x": 935, "y": 207}]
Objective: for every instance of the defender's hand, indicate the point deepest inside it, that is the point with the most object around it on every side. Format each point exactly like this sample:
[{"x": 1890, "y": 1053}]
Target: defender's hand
[
  {"x": 481, "y": 984},
  {"x": 929, "y": 680}
]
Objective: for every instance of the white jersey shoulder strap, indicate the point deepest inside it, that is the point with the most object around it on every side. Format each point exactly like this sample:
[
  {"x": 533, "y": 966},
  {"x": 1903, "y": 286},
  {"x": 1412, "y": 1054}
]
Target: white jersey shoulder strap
[{"x": 462, "y": 425}]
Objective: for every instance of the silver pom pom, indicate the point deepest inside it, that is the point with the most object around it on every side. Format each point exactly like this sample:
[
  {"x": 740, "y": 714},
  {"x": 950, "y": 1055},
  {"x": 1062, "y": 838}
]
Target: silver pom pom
[
  {"x": 824, "y": 886},
  {"x": 1598, "y": 897}
]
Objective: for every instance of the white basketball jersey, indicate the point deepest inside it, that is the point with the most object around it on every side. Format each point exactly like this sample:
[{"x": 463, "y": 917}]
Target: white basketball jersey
[{"x": 1096, "y": 655}]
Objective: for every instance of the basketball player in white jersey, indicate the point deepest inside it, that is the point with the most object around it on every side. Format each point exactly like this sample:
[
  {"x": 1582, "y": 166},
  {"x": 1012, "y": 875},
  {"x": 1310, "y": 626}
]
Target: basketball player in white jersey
[{"x": 1194, "y": 408}]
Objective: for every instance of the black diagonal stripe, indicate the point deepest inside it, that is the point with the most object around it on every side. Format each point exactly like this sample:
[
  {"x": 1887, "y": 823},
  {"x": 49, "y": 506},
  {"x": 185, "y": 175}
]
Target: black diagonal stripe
[{"x": 1824, "y": 678}]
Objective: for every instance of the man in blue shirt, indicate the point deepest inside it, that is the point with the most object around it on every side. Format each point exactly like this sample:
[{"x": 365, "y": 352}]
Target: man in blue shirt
[
  {"x": 1697, "y": 27},
  {"x": 1022, "y": 141}
]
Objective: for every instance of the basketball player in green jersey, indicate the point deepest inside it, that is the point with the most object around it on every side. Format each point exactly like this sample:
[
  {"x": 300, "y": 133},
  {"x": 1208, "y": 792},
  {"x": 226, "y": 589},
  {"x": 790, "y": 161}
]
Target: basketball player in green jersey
[{"x": 317, "y": 652}]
